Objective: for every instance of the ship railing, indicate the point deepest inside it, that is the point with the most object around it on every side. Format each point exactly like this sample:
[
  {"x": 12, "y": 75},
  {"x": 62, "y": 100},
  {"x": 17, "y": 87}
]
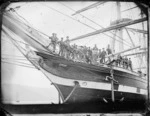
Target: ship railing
[{"x": 78, "y": 56}]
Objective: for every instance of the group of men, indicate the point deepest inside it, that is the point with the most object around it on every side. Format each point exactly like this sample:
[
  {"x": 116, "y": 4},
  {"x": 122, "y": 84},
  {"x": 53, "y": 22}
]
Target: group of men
[
  {"x": 84, "y": 53},
  {"x": 123, "y": 62}
]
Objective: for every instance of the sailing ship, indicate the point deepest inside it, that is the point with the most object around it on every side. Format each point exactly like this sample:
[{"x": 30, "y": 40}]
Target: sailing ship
[{"x": 80, "y": 82}]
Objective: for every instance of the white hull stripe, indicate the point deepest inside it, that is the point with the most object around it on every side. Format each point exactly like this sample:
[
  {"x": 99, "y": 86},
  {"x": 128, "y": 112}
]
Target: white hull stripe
[{"x": 89, "y": 84}]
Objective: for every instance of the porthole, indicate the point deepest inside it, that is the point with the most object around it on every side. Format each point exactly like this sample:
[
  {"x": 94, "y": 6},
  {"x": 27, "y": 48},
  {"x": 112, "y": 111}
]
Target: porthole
[{"x": 84, "y": 83}]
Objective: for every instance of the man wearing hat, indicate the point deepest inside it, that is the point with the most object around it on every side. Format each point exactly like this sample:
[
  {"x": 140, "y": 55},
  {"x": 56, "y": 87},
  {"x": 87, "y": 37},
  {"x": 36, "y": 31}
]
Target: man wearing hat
[
  {"x": 67, "y": 43},
  {"x": 61, "y": 47},
  {"x": 54, "y": 41},
  {"x": 103, "y": 54},
  {"x": 130, "y": 64}
]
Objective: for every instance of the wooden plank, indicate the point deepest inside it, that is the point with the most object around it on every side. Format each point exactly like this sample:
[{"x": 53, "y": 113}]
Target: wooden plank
[
  {"x": 123, "y": 51},
  {"x": 137, "y": 30},
  {"x": 130, "y": 37},
  {"x": 130, "y": 8},
  {"x": 143, "y": 52},
  {"x": 88, "y": 7},
  {"x": 110, "y": 28}
]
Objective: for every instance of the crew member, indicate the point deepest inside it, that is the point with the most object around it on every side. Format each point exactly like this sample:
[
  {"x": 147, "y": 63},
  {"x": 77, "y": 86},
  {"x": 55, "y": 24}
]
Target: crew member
[
  {"x": 95, "y": 54},
  {"x": 88, "y": 55},
  {"x": 87, "y": 58},
  {"x": 118, "y": 60},
  {"x": 67, "y": 46},
  {"x": 123, "y": 62},
  {"x": 130, "y": 63},
  {"x": 103, "y": 54},
  {"x": 74, "y": 52},
  {"x": 109, "y": 51},
  {"x": 61, "y": 47},
  {"x": 54, "y": 40},
  {"x": 85, "y": 52},
  {"x": 126, "y": 63},
  {"x": 99, "y": 55}
]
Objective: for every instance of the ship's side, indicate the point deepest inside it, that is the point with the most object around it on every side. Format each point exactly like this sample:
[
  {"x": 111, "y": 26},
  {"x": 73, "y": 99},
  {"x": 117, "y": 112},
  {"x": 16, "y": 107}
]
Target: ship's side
[{"x": 86, "y": 83}]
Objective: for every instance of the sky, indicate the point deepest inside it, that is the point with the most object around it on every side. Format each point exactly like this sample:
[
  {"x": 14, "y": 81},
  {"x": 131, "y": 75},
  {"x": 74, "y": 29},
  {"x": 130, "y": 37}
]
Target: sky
[{"x": 56, "y": 17}]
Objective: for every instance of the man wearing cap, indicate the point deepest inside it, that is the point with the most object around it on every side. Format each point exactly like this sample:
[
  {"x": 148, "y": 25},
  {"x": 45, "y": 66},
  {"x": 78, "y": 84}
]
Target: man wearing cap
[
  {"x": 95, "y": 54},
  {"x": 61, "y": 47},
  {"x": 130, "y": 64},
  {"x": 67, "y": 47},
  {"x": 99, "y": 55},
  {"x": 103, "y": 54},
  {"x": 54, "y": 41},
  {"x": 109, "y": 51}
]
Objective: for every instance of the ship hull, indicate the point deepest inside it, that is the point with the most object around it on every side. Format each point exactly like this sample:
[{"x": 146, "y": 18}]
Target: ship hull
[
  {"x": 95, "y": 96},
  {"x": 79, "y": 83}
]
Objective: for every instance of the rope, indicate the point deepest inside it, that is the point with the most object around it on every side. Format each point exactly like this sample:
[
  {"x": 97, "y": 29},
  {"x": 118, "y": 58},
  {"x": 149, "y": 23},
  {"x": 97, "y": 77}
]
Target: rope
[
  {"x": 6, "y": 41},
  {"x": 8, "y": 59},
  {"x": 11, "y": 55},
  {"x": 28, "y": 23},
  {"x": 17, "y": 64},
  {"x": 14, "y": 59},
  {"x": 67, "y": 15},
  {"x": 98, "y": 25},
  {"x": 15, "y": 40},
  {"x": 76, "y": 85},
  {"x": 31, "y": 25}
]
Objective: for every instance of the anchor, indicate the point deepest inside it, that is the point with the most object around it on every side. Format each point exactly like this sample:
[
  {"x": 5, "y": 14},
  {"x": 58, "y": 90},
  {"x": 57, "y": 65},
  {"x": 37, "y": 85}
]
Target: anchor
[{"x": 111, "y": 78}]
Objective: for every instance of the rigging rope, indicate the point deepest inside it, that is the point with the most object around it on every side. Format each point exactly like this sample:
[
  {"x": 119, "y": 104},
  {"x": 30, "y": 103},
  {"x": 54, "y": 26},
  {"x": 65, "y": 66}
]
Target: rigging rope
[
  {"x": 31, "y": 36},
  {"x": 18, "y": 64},
  {"x": 6, "y": 41},
  {"x": 78, "y": 21},
  {"x": 98, "y": 25},
  {"x": 8, "y": 55},
  {"x": 29, "y": 25},
  {"x": 15, "y": 40},
  {"x": 7, "y": 33},
  {"x": 12, "y": 58},
  {"x": 140, "y": 62},
  {"x": 65, "y": 15},
  {"x": 16, "y": 61}
]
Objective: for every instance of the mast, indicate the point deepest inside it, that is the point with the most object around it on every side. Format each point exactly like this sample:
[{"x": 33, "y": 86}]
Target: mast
[
  {"x": 112, "y": 41},
  {"x": 144, "y": 42},
  {"x": 120, "y": 33}
]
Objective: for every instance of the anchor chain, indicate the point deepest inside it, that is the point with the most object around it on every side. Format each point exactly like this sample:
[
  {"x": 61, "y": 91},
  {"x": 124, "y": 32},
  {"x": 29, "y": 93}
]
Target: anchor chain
[
  {"x": 111, "y": 78},
  {"x": 74, "y": 88}
]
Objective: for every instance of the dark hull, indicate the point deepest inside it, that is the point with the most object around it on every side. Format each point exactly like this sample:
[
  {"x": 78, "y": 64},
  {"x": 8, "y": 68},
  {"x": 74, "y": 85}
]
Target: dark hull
[
  {"x": 65, "y": 69},
  {"x": 83, "y": 95}
]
